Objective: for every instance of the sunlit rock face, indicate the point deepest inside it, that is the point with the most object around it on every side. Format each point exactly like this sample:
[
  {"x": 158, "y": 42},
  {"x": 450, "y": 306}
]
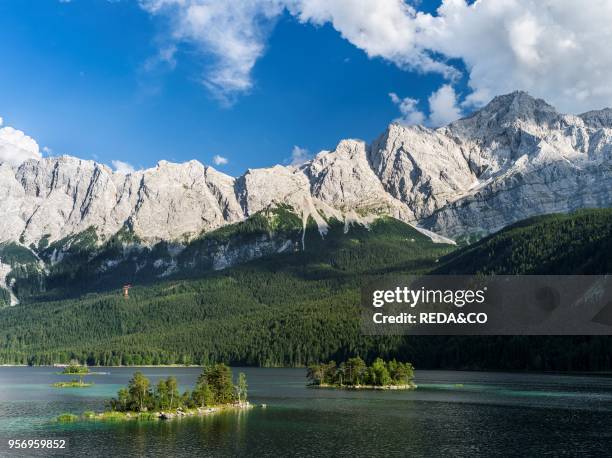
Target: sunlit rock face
[{"x": 517, "y": 157}]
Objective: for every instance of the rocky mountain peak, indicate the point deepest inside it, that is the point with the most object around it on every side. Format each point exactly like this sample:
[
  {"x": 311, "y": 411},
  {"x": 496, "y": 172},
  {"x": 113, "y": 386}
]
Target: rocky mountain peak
[
  {"x": 598, "y": 118},
  {"x": 514, "y": 158},
  {"x": 507, "y": 113},
  {"x": 518, "y": 103}
]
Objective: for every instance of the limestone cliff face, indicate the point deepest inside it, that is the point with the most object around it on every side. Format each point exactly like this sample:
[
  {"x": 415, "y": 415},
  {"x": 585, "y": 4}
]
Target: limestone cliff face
[
  {"x": 515, "y": 158},
  {"x": 528, "y": 160}
]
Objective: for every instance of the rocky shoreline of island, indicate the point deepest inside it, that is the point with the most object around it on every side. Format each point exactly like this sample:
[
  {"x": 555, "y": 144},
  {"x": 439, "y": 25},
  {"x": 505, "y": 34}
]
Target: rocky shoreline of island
[
  {"x": 409, "y": 386},
  {"x": 179, "y": 413}
]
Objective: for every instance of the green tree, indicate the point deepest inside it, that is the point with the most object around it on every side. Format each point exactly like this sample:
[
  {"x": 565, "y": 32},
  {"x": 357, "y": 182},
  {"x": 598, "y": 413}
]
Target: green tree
[
  {"x": 123, "y": 398},
  {"x": 241, "y": 387},
  {"x": 219, "y": 378},
  {"x": 203, "y": 395},
  {"x": 401, "y": 373},
  {"x": 354, "y": 370},
  {"x": 329, "y": 372},
  {"x": 208, "y": 396},
  {"x": 315, "y": 374},
  {"x": 380, "y": 373},
  {"x": 138, "y": 388},
  {"x": 161, "y": 394},
  {"x": 173, "y": 392},
  {"x": 186, "y": 400}
]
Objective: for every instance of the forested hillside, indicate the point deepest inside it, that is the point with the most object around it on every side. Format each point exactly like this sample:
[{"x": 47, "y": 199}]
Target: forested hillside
[
  {"x": 286, "y": 309},
  {"x": 578, "y": 243},
  {"x": 292, "y": 309}
]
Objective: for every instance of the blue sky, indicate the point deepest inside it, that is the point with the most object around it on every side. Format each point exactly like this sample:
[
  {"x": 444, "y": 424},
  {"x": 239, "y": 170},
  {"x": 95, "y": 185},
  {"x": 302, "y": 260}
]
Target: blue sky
[
  {"x": 75, "y": 78},
  {"x": 90, "y": 78}
]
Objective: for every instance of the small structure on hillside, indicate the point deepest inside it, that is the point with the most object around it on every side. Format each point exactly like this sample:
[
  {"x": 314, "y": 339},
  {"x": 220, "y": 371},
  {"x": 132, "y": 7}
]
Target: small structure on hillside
[{"x": 126, "y": 290}]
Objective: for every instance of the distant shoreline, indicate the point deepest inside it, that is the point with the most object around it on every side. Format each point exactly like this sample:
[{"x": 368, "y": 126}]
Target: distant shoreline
[
  {"x": 99, "y": 367},
  {"x": 578, "y": 373}
]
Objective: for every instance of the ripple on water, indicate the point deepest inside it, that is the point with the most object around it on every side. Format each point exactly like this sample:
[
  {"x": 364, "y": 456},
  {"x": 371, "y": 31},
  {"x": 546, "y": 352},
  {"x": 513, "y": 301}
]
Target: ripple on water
[{"x": 453, "y": 413}]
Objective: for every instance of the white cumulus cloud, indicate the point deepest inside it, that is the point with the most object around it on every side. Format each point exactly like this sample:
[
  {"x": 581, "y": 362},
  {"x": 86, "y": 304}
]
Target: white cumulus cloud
[
  {"x": 16, "y": 147},
  {"x": 555, "y": 49},
  {"x": 382, "y": 28},
  {"x": 299, "y": 155},
  {"x": 443, "y": 106},
  {"x": 219, "y": 160},
  {"x": 124, "y": 168},
  {"x": 408, "y": 107}
]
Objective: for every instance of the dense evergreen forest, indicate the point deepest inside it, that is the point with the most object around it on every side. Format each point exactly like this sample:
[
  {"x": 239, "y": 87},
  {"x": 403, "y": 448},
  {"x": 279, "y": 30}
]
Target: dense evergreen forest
[
  {"x": 576, "y": 243},
  {"x": 356, "y": 373},
  {"x": 298, "y": 309}
]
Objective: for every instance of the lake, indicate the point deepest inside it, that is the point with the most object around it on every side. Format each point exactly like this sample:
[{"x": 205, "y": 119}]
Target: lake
[{"x": 451, "y": 413}]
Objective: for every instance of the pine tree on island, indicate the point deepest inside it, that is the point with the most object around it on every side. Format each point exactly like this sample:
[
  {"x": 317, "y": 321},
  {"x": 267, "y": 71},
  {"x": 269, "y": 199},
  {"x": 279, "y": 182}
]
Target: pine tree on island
[
  {"x": 355, "y": 373},
  {"x": 213, "y": 390}
]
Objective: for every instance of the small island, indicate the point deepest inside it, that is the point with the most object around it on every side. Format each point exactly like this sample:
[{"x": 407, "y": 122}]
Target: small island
[
  {"x": 74, "y": 369},
  {"x": 214, "y": 391},
  {"x": 357, "y": 375}
]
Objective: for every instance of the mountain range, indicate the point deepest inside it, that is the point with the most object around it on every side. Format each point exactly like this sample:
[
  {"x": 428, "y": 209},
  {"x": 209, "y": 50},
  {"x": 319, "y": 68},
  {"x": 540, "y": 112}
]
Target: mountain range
[{"x": 515, "y": 158}]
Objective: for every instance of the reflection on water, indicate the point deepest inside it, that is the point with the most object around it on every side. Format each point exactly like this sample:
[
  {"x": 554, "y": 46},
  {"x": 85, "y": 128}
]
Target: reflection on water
[{"x": 452, "y": 413}]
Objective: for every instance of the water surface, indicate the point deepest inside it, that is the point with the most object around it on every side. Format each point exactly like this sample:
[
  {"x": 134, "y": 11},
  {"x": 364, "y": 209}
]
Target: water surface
[{"x": 451, "y": 413}]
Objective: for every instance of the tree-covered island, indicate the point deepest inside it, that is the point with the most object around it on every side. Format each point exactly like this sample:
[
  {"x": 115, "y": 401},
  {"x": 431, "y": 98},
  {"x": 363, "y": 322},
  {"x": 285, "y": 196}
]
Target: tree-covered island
[
  {"x": 356, "y": 374},
  {"x": 75, "y": 370},
  {"x": 140, "y": 400}
]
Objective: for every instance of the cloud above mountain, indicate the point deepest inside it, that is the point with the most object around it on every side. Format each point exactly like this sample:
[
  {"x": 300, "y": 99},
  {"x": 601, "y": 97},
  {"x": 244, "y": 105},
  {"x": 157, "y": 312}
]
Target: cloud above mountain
[
  {"x": 233, "y": 34},
  {"x": 299, "y": 155},
  {"x": 16, "y": 147},
  {"x": 220, "y": 160},
  {"x": 408, "y": 107},
  {"x": 502, "y": 45},
  {"x": 443, "y": 108},
  {"x": 124, "y": 168}
]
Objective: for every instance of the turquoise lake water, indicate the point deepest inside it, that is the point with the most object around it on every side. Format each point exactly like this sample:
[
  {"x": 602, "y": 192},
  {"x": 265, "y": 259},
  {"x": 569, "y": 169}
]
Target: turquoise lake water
[{"x": 451, "y": 414}]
